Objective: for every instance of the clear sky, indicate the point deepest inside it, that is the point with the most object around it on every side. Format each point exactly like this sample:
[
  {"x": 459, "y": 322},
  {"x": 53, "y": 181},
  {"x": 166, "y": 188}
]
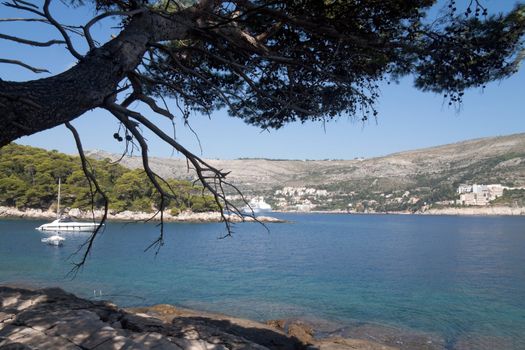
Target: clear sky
[{"x": 408, "y": 118}]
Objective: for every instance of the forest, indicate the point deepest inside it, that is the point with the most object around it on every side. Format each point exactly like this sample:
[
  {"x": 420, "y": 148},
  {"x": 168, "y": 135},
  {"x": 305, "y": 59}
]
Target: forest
[{"x": 29, "y": 179}]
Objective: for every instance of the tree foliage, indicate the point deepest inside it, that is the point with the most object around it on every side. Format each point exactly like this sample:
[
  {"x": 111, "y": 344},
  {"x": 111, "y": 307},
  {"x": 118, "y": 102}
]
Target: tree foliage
[{"x": 29, "y": 176}]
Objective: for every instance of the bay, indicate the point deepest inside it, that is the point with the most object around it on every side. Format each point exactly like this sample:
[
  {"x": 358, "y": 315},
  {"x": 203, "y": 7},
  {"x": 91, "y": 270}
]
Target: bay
[{"x": 460, "y": 279}]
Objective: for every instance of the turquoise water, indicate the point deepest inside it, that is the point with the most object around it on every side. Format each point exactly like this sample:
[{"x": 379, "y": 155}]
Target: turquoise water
[{"x": 457, "y": 278}]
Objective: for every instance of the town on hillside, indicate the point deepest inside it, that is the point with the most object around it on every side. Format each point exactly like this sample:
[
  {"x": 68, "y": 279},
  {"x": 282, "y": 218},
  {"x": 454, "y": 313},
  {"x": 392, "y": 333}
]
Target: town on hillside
[{"x": 306, "y": 199}]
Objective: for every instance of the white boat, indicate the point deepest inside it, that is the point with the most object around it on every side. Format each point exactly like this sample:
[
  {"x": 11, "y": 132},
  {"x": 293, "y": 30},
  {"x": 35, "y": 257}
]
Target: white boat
[
  {"x": 55, "y": 240},
  {"x": 67, "y": 225},
  {"x": 257, "y": 205},
  {"x": 64, "y": 224}
]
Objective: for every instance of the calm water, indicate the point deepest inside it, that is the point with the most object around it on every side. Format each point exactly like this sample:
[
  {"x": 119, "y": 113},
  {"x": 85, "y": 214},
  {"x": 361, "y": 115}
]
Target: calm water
[{"x": 458, "y": 278}]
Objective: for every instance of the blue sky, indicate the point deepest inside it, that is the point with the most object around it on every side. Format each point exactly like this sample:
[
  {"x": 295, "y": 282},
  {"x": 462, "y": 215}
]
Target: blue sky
[{"x": 408, "y": 118}]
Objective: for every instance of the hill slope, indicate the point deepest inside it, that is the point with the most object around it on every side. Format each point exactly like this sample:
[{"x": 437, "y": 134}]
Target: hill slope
[{"x": 487, "y": 160}]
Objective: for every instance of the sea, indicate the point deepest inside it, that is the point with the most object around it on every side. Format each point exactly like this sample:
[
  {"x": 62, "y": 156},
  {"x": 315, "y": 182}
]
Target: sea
[{"x": 454, "y": 281}]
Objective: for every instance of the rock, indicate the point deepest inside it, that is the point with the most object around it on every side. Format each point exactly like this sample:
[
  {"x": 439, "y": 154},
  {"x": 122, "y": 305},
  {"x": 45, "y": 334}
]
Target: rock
[
  {"x": 154, "y": 341},
  {"x": 117, "y": 343},
  {"x": 127, "y": 215},
  {"x": 77, "y": 327},
  {"x": 15, "y": 346},
  {"x": 190, "y": 344},
  {"x": 302, "y": 332},
  {"x": 34, "y": 339},
  {"x": 279, "y": 324},
  {"x": 138, "y": 323},
  {"x": 6, "y": 318},
  {"x": 98, "y": 337},
  {"x": 53, "y": 319}
]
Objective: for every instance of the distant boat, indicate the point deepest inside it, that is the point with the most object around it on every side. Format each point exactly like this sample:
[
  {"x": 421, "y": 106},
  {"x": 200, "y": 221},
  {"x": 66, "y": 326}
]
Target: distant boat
[
  {"x": 65, "y": 224},
  {"x": 55, "y": 240},
  {"x": 257, "y": 205}
]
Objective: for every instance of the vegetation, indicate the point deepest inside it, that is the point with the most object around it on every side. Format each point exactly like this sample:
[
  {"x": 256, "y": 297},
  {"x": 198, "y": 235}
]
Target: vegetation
[
  {"x": 29, "y": 177},
  {"x": 512, "y": 198}
]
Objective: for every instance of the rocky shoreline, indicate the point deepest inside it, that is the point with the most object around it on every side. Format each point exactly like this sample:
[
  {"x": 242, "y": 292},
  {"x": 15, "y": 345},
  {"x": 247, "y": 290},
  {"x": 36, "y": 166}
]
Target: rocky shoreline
[
  {"x": 480, "y": 211},
  {"x": 186, "y": 216},
  {"x": 210, "y": 217},
  {"x": 451, "y": 211},
  {"x": 54, "y": 319}
]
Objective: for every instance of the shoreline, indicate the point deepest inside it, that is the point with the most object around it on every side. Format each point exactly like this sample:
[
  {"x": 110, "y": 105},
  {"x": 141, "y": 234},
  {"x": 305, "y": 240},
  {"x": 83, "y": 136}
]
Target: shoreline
[
  {"x": 214, "y": 217},
  {"x": 184, "y": 217},
  {"x": 450, "y": 211},
  {"x": 54, "y": 317}
]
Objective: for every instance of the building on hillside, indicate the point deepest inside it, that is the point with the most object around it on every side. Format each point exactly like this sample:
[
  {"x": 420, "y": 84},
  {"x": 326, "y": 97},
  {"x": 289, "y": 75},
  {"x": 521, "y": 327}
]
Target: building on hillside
[
  {"x": 478, "y": 194},
  {"x": 472, "y": 198},
  {"x": 464, "y": 188},
  {"x": 480, "y": 188},
  {"x": 496, "y": 190},
  {"x": 305, "y": 206}
]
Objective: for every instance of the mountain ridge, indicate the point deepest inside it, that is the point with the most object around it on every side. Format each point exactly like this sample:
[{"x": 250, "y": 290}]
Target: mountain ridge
[{"x": 430, "y": 174}]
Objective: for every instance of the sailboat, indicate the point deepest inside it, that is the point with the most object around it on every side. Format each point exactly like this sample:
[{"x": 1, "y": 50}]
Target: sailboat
[{"x": 64, "y": 224}]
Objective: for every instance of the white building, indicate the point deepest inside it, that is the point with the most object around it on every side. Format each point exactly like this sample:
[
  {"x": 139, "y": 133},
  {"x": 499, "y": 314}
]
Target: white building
[
  {"x": 464, "y": 188},
  {"x": 479, "y": 194},
  {"x": 479, "y": 188}
]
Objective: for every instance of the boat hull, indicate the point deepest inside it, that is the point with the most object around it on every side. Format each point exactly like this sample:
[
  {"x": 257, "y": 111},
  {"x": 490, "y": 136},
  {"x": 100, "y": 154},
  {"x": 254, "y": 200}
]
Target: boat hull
[
  {"x": 68, "y": 227},
  {"x": 56, "y": 241}
]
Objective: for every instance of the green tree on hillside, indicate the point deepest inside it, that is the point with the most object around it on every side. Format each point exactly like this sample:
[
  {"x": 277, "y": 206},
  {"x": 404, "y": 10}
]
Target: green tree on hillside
[{"x": 27, "y": 180}]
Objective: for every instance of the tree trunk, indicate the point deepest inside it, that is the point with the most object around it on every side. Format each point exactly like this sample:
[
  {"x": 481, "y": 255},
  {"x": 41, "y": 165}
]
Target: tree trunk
[{"x": 33, "y": 106}]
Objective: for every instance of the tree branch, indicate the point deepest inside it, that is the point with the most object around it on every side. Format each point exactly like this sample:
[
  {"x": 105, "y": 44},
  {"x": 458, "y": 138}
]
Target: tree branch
[
  {"x": 22, "y": 64},
  {"x": 94, "y": 20},
  {"x": 31, "y": 42},
  {"x": 92, "y": 180},
  {"x": 62, "y": 31}
]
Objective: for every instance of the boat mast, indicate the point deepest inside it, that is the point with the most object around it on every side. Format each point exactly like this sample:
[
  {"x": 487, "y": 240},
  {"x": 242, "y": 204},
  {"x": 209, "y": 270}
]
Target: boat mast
[{"x": 58, "y": 204}]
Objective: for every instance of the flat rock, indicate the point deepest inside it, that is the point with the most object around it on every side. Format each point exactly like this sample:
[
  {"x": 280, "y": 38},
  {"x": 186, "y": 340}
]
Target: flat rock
[
  {"x": 154, "y": 341},
  {"x": 141, "y": 323},
  {"x": 98, "y": 337},
  {"x": 117, "y": 343},
  {"x": 79, "y": 329},
  {"x": 35, "y": 339}
]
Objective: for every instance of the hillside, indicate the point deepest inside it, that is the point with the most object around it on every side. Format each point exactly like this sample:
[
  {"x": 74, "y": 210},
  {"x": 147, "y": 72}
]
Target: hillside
[
  {"x": 430, "y": 175},
  {"x": 29, "y": 176}
]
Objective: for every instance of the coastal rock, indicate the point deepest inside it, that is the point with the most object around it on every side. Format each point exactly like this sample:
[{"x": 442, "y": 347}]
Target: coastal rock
[
  {"x": 99, "y": 337},
  {"x": 483, "y": 211},
  {"x": 154, "y": 341},
  {"x": 141, "y": 323},
  {"x": 301, "y": 331},
  {"x": 186, "y": 216},
  {"x": 53, "y": 319},
  {"x": 33, "y": 339},
  {"x": 279, "y": 324}
]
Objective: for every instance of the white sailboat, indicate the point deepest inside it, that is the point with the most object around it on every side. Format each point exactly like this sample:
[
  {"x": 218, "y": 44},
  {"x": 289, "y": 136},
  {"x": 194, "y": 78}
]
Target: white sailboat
[{"x": 66, "y": 224}]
